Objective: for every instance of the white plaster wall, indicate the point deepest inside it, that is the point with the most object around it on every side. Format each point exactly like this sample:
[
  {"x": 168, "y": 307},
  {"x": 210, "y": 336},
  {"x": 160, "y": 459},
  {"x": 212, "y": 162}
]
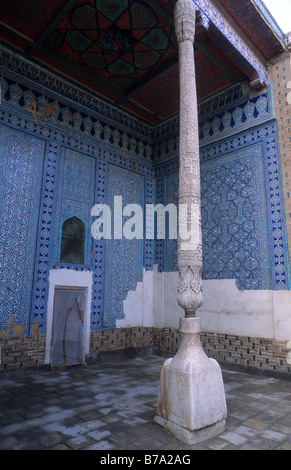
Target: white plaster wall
[
  {"x": 261, "y": 314},
  {"x": 226, "y": 310},
  {"x": 230, "y": 311},
  {"x": 138, "y": 306},
  {"x": 282, "y": 315}
]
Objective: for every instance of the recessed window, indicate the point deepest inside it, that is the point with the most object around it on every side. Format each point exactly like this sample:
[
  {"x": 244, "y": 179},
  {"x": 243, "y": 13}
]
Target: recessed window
[{"x": 73, "y": 241}]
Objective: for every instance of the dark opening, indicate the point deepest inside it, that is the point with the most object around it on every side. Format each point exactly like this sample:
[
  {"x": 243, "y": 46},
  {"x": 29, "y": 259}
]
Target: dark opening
[{"x": 73, "y": 241}]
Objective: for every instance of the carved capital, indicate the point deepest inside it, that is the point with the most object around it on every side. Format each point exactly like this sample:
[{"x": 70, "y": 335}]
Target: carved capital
[
  {"x": 185, "y": 17},
  {"x": 190, "y": 293}
]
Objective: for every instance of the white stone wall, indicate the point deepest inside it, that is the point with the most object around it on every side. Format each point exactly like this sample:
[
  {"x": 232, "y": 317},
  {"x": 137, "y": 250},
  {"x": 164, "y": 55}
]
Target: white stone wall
[{"x": 226, "y": 310}]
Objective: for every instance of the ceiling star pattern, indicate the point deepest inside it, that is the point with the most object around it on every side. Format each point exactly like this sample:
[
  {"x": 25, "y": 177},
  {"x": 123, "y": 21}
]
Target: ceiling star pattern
[{"x": 124, "y": 38}]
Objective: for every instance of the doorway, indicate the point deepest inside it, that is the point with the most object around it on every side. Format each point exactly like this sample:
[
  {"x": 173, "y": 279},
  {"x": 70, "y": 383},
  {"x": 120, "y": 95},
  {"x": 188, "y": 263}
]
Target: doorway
[
  {"x": 68, "y": 317},
  {"x": 68, "y": 327}
]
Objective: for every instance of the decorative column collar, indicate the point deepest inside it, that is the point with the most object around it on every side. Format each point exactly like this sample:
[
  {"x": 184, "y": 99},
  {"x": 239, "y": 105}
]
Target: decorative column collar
[{"x": 185, "y": 17}]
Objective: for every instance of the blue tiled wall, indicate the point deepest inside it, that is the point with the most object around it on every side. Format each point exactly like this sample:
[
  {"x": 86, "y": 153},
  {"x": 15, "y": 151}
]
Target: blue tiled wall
[
  {"x": 242, "y": 212},
  {"x": 51, "y": 170},
  {"x": 243, "y": 218},
  {"x": 21, "y": 170}
]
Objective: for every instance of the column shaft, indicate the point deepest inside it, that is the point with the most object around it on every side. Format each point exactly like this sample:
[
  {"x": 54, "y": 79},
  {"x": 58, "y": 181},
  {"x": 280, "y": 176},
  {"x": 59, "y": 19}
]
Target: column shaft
[{"x": 190, "y": 296}]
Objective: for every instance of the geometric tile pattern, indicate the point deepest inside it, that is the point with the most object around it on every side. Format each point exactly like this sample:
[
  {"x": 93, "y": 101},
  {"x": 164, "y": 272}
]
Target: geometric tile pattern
[
  {"x": 75, "y": 195},
  {"x": 267, "y": 135},
  {"x": 123, "y": 258},
  {"x": 21, "y": 170},
  {"x": 128, "y": 135},
  {"x": 45, "y": 235},
  {"x": 235, "y": 221},
  {"x": 243, "y": 233},
  {"x": 234, "y": 114}
]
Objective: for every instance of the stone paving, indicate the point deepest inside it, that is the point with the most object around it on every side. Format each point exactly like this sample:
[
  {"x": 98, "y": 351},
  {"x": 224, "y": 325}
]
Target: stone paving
[{"x": 111, "y": 406}]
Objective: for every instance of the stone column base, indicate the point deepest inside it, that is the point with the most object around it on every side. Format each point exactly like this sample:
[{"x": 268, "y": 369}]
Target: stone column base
[
  {"x": 191, "y": 403},
  {"x": 191, "y": 437}
]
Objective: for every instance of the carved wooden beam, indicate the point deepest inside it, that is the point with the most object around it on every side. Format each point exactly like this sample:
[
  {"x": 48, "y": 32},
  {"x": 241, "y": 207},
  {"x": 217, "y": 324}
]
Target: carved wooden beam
[{"x": 211, "y": 14}]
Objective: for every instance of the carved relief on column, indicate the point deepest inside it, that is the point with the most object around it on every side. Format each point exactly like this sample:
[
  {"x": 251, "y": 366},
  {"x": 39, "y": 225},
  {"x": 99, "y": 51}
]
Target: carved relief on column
[{"x": 190, "y": 296}]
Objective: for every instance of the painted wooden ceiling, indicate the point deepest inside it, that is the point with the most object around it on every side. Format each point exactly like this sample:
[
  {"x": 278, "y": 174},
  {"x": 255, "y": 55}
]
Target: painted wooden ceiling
[{"x": 123, "y": 51}]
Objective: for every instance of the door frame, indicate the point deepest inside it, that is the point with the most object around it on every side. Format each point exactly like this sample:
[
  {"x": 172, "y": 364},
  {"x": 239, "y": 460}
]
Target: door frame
[{"x": 66, "y": 279}]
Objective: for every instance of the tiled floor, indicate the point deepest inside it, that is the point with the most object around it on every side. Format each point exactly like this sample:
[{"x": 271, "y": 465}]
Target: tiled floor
[{"x": 112, "y": 406}]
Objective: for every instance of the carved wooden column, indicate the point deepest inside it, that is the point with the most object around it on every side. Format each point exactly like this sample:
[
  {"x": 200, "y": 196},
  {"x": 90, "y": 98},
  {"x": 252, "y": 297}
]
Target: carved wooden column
[
  {"x": 191, "y": 404},
  {"x": 190, "y": 296}
]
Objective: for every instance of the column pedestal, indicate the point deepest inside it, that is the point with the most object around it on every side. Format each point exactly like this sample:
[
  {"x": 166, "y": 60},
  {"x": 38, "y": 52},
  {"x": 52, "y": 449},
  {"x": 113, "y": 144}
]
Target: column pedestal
[{"x": 191, "y": 404}]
